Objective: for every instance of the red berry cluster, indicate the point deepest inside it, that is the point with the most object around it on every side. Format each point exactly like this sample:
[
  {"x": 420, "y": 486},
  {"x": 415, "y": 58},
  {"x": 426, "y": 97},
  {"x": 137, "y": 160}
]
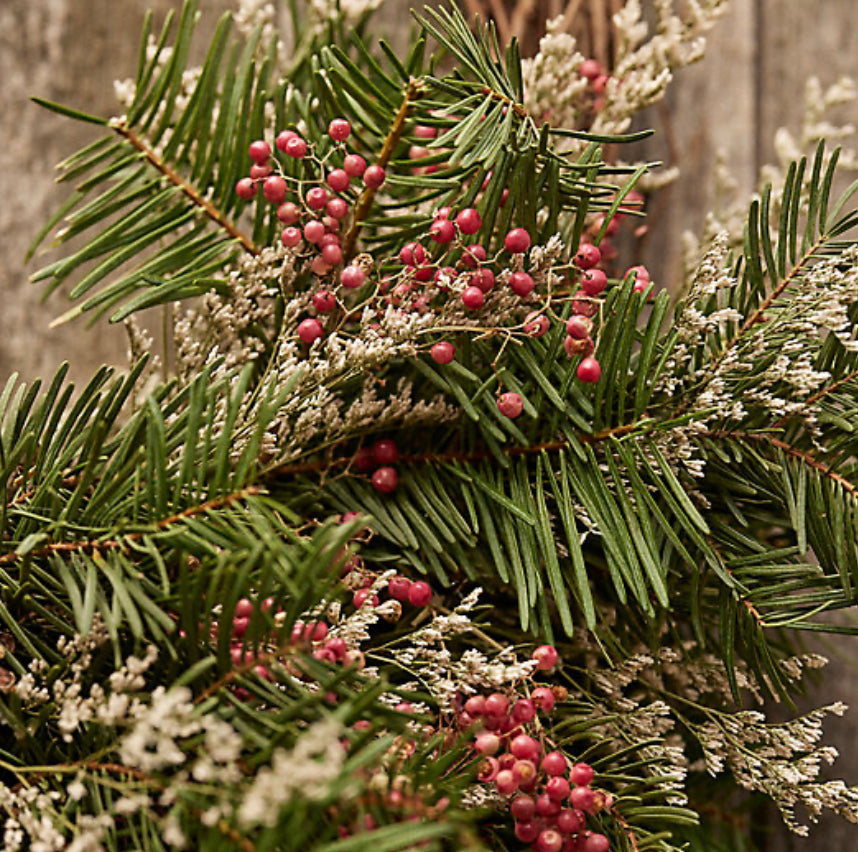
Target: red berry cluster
[
  {"x": 417, "y": 593},
  {"x": 311, "y": 636},
  {"x": 379, "y": 459},
  {"x": 313, "y": 207},
  {"x": 548, "y": 800}
]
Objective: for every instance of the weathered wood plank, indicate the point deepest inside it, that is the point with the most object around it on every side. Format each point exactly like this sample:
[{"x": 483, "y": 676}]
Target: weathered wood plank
[
  {"x": 67, "y": 51},
  {"x": 710, "y": 108}
]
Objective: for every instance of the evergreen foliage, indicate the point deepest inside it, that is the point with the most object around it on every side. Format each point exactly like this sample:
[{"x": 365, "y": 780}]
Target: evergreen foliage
[{"x": 671, "y": 529}]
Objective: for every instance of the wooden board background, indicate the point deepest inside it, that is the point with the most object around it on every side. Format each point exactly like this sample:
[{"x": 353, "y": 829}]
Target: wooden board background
[{"x": 751, "y": 83}]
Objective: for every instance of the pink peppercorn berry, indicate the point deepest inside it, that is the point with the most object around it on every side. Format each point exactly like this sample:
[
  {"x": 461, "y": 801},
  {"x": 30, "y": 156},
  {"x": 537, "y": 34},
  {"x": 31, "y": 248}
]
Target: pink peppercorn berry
[
  {"x": 523, "y": 711},
  {"x": 314, "y": 231},
  {"x": 274, "y": 189},
  {"x": 549, "y": 840},
  {"x": 354, "y": 165},
  {"x": 521, "y": 284},
  {"x": 291, "y": 237},
  {"x": 385, "y": 480},
  {"x": 282, "y": 138},
  {"x": 510, "y": 404},
  {"x": 259, "y": 151},
  {"x": 517, "y": 241},
  {"x": 557, "y": 788},
  {"x": 398, "y": 588},
  {"x": 527, "y": 830},
  {"x": 296, "y": 147},
  {"x": 544, "y": 699},
  {"x": 546, "y": 806},
  {"x": 497, "y": 704},
  {"x": 443, "y": 231},
  {"x": 361, "y": 596},
  {"x": 473, "y": 298},
  {"x": 554, "y": 763},
  {"x": 469, "y": 221},
  {"x": 352, "y": 277},
  {"x": 245, "y": 189},
  {"x": 420, "y": 594},
  {"x": 525, "y": 773},
  {"x": 582, "y": 798},
  {"x": 593, "y": 282},
  {"x": 412, "y": 254},
  {"x": 522, "y": 808},
  {"x": 289, "y": 213},
  {"x": 473, "y": 256},
  {"x": 332, "y": 254},
  {"x": 484, "y": 279},
  {"x": 590, "y": 68},
  {"x": 337, "y": 208},
  {"x": 536, "y": 324},
  {"x": 310, "y": 330},
  {"x": 363, "y": 461},
  {"x": 374, "y": 176},
  {"x": 581, "y": 774},
  {"x": 317, "y": 198},
  {"x": 259, "y": 171},
  {"x": 385, "y": 452},
  {"x": 338, "y": 180},
  {"x": 324, "y": 301},
  {"x": 589, "y": 370},
  {"x": 443, "y": 352},
  {"x": 546, "y": 657},
  {"x": 596, "y": 843},
  {"x": 570, "y": 821},
  {"x": 505, "y": 782},
  {"x": 587, "y": 256},
  {"x": 579, "y": 327},
  {"x": 576, "y": 347},
  {"x": 339, "y": 130}
]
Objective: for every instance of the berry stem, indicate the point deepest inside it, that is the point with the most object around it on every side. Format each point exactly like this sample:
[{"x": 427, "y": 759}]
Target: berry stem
[
  {"x": 364, "y": 203},
  {"x": 177, "y": 180}
]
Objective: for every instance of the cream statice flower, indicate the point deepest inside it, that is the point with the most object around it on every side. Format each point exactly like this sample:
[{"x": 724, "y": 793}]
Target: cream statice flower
[{"x": 306, "y": 771}]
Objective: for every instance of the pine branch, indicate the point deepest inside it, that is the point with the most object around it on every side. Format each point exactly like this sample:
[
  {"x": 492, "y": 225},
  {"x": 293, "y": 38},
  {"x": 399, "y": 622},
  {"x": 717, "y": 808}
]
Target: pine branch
[
  {"x": 88, "y": 546},
  {"x": 821, "y": 394},
  {"x": 513, "y": 451},
  {"x": 190, "y": 191},
  {"x": 804, "y": 456},
  {"x": 364, "y": 204}
]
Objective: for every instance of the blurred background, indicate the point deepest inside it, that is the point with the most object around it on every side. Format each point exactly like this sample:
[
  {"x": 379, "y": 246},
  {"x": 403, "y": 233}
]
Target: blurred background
[{"x": 751, "y": 83}]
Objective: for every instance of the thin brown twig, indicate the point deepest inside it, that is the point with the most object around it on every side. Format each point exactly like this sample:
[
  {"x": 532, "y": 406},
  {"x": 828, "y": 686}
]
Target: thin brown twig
[
  {"x": 518, "y": 108},
  {"x": 522, "y": 11},
  {"x": 177, "y": 180},
  {"x": 475, "y": 7},
  {"x": 364, "y": 203},
  {"x": 802, "y": 455},
  {"x": 600, "y": 32},
  {"x": 114, "y": 544},
  {"x": 570, "y": 14},
  {"x": 444, "y": 458},
  {"x": 824, "y": 392}
]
